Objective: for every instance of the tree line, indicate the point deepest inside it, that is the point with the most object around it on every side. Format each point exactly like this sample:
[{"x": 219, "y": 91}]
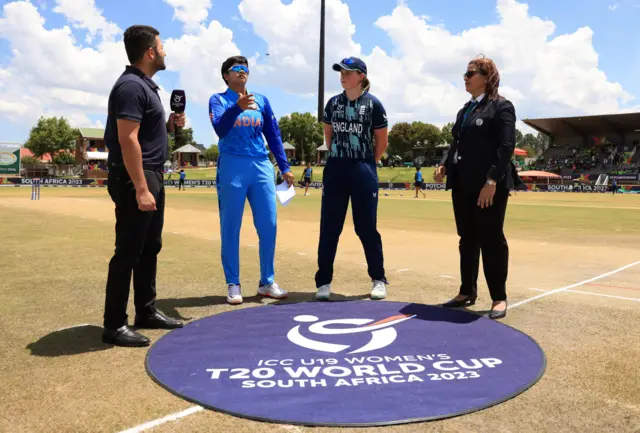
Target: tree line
[
  {"x": 306, "y": 134},
  {"x": 56, "y": 137}
]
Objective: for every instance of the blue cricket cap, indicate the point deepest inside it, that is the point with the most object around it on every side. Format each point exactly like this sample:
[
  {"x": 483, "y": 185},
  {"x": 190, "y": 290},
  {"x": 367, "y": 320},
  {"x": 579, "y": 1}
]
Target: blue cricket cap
[{"x": 351, "y": 64}]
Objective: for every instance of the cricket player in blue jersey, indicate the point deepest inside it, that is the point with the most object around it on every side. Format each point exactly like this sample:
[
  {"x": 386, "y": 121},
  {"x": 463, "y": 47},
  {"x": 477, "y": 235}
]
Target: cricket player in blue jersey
[
  {"x": 244, "y": 172},
  {"x": 352, "y": 120}
]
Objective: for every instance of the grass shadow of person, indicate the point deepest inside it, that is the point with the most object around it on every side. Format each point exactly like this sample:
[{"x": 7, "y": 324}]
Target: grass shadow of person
[
  {"x": 70, "y": 341},
  {"x": 437, "y": 313},
  {"x": 170, "y": 306}
]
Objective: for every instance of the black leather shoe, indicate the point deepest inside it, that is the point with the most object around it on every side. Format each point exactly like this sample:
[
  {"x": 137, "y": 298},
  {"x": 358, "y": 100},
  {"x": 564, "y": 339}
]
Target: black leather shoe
[
  {"x": 463, "y": 303},
  {"x": 124, "y": 336},
  {"x": 157, "y": 320},
  {"x": 494, "y": 314}
]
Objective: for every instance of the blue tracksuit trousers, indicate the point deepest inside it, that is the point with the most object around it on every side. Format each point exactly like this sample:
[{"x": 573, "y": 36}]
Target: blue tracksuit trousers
[{"x": 239, "y": 178}]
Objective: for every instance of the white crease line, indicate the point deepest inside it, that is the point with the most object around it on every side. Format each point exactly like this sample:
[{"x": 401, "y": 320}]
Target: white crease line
[
  {"x": 194, "y": 409},
  {"x": 402, "y": 270},
  {"x": 564, "y": 289},
  {"x": 251, "y": 246},
  {"x": 604, "y": 295},
  {"x": 447, "y": 276},
  {"x": 301, "y": 254},
  {"x": 160, "y": 421}
]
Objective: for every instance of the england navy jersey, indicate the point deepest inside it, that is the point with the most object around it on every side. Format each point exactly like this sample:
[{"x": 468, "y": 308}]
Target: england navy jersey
[{"x": 353, "y": 124}]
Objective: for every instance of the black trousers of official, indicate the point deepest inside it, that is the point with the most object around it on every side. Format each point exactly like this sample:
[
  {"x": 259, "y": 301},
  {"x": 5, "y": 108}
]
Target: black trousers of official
[
  {"x": 481, "y": 230},
  {"x": 345, "y": 179},
  {"x": 138, "y": 242}
]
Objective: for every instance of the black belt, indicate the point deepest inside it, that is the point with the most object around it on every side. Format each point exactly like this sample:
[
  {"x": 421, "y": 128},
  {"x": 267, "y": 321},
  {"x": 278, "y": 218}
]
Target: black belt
[{"x": 146, "y": 167}]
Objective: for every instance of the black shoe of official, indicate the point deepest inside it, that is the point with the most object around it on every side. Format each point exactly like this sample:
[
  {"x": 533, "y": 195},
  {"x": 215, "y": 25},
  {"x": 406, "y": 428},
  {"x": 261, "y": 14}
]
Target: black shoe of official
[
  {"x": 124, "y": 336},
  {"x": 157, "y": 320},
  {"x": 495, "y": 314},
  {"x": 466, "y": 302}
]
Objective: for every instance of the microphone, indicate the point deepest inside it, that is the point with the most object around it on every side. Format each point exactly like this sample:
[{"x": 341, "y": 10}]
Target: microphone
[{"x": 178, "y": 104}]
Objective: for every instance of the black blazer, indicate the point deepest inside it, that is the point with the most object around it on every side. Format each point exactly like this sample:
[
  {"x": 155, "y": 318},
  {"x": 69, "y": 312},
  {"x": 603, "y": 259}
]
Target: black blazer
[{"x": 484, "y": 146}]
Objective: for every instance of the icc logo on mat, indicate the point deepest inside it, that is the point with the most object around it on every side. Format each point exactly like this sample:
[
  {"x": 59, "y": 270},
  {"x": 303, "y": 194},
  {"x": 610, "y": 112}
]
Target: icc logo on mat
[
  {"x": 382, "y": 333},
  {"x": 363, "y": 363}
]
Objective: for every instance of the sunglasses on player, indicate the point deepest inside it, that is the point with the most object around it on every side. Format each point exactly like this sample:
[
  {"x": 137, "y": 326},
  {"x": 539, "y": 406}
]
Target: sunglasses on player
[
  {"x": 239, "y": 68},
  {"x": 470, "y": 74}
]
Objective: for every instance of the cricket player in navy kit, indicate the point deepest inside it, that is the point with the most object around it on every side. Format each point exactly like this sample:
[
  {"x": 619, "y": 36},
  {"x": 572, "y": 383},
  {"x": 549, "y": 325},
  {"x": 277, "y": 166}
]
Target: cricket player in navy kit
[{"x": 351, "y": 121}]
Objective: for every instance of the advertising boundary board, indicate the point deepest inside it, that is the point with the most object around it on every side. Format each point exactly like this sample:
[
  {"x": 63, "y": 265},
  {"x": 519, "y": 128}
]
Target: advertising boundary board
[
  {"x": 395, "y": 186},
  {"x": 10, "y": 159},
  {"x": 169, "y": 341}
]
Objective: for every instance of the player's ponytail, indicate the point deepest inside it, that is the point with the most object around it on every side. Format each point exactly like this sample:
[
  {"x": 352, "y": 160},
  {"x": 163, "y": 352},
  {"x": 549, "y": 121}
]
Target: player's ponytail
[{"x": 366, "y": 84}]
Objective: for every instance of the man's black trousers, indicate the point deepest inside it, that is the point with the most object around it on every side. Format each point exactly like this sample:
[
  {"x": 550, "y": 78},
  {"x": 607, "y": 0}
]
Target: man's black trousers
[
  {"x": 138, "y": 242},
  {"x": 345, "y": 179},
  {"x": 481, "y": 230}
]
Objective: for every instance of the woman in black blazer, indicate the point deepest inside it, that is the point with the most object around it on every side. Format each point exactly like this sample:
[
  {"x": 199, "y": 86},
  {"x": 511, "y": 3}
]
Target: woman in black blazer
[{"x": 480, "y": 174}]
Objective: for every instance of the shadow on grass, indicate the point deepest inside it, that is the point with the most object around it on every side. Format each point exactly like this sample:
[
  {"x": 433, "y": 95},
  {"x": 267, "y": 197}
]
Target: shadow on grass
[
  {"x": 170, "y": 306},
  {"x": 437, "y": 313},
  {"x": 70, "y": 341},
  {"x": 87, "y": 338}
]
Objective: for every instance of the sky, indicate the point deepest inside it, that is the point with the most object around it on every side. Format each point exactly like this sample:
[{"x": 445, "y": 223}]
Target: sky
[{"x": 569, "y": 58}]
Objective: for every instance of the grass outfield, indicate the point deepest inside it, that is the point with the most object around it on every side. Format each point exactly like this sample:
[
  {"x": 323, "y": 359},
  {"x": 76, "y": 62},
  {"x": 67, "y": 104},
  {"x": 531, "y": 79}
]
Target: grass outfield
[
  {"x": 385, "y": 174},
  {"x": 57, "y": 376}
]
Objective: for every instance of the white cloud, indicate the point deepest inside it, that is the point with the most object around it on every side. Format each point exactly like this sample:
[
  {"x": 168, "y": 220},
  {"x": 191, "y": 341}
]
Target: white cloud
[
  {"x": 50, "y": 73},
  {"x": 83, "y": 14},
  {"x": 198, "y": 57},
  {"x": 543, "y": 73},
  {"x": 614, "y": 7},
  {"x": 190, "y": 12},
  {"x": 291, "y": 31},
  {"x": 53, "y": 74}
]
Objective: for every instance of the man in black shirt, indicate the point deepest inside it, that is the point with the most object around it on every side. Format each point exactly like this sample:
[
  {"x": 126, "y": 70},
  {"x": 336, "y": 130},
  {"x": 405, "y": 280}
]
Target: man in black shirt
[{"x": 137, "y": 138}]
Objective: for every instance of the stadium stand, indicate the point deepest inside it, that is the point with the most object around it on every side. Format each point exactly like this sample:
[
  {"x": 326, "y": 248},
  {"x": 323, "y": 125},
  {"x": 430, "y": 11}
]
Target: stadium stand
[{"x": 590, "y": 145}]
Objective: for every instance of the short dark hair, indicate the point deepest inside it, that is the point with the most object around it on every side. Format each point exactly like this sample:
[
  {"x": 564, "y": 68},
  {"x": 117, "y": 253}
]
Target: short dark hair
[
  {"x": 137, "y": 40},
  {"x": 235, "y": 60}
]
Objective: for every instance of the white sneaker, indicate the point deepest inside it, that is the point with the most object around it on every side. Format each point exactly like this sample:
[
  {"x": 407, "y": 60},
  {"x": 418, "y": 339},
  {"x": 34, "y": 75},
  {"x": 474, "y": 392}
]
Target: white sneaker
[
  {"x": 323, "y": 293},
  {"x": 234, "y": 295},
  {"x": 272, "y": 291},
  {"x": 379, "y": 290}
]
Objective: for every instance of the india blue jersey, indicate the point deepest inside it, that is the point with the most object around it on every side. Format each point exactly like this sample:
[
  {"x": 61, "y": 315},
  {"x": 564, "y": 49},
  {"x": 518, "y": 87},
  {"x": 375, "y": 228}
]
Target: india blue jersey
[
  {"x": 353, "y": 124},
  {"x": 240, "y": 132}
]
